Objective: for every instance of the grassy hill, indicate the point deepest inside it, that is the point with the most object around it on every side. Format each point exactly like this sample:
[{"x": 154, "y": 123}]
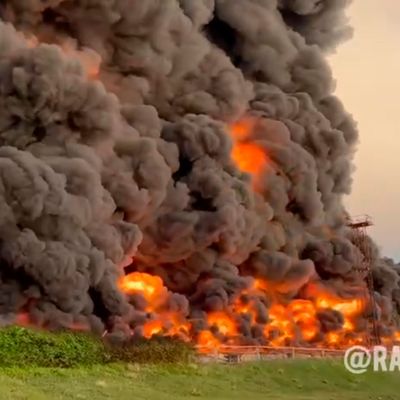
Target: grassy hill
[
  {"x": 283, "y": 380},
  {"x": 39, "y": 365}
]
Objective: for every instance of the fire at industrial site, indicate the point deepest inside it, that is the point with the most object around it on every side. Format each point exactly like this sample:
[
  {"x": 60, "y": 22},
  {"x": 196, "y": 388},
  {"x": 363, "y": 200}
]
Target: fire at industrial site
[{"x": 178, "y": 168}]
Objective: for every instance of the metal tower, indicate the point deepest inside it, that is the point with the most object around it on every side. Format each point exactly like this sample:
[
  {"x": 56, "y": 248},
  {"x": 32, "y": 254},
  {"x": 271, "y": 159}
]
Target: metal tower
[{"x": 360, "y": 224}]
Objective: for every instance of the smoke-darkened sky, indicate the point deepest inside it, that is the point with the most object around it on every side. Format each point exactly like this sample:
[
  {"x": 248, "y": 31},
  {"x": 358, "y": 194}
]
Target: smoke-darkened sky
[{"x": 367, "y": 73}]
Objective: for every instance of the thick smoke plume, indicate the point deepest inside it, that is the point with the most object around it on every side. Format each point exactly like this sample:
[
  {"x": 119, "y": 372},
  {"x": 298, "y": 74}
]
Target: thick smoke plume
[{"x": 178, "y": 167}]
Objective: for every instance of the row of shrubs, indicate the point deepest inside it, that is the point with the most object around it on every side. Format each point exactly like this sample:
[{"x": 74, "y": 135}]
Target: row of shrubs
[{"x": 26, "y": 347}]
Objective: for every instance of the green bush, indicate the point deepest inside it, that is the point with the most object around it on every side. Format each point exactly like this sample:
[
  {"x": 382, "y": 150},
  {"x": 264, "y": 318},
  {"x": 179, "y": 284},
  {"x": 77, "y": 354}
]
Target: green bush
[
  {"x": 25, "y": 347},
  {"x": 153, "y": 351}
]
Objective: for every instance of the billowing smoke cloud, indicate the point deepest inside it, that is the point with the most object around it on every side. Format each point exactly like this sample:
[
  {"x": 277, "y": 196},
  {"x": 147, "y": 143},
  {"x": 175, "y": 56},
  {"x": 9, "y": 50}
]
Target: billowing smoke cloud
[{"x": 116, "y": 157}]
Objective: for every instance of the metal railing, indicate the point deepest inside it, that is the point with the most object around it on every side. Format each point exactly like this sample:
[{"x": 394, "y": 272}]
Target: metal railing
[{"x": 250, "y": 353}]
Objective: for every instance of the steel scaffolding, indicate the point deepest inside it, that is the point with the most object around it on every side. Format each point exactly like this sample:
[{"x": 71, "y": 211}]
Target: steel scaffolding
[{"x": 359, "y": 225}]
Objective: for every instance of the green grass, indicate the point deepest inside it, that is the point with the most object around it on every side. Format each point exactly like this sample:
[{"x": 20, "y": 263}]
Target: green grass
[
  {"x": 39, "y": 365},
  {"x": 283, "y": 380}
]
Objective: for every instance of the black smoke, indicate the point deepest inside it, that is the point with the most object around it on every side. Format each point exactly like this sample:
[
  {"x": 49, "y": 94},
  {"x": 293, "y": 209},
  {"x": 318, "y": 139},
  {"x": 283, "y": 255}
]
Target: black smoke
[{"x": 115, "y": 154}]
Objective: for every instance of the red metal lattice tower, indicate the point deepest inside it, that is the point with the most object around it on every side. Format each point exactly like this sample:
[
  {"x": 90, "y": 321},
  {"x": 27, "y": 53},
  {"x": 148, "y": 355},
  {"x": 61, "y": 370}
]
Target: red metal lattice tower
[{"x": 360, "y": 224}]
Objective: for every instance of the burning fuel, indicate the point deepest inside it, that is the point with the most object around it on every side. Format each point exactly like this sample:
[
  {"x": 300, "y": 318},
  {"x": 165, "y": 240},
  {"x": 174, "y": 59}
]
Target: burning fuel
[
  {"x": 178, "y": 167},
  {"x": 299, "y": 321}
]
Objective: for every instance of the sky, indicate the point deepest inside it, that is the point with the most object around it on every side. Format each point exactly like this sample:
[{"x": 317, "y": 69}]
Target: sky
[{"x": 367, "y": 72}]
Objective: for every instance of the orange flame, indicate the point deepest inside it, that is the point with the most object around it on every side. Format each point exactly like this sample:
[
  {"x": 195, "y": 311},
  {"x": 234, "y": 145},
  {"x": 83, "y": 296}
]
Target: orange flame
[
  {"x": 207, "y": 341},
  {"x": 225, "y": 324},
  {"x": 349, "y": 308},
  {"x": 249, "y": 156},
  {"x": 168, "y": 324},
  {"x": 151, "y": 287},
  {"x": 304, "y": 315},
  {"x": 296, "y": 322},
  {"x": 152, "y": 328}
]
